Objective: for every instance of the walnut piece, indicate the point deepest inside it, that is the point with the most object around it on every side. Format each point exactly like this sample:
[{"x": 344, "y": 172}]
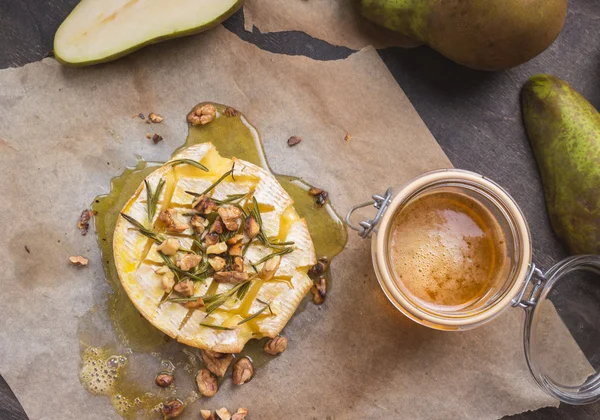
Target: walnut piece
[
  {"x": 230, "y": 216},
  {"x": 218, "y": 226},
  {"x": 156, "y": 138},
  {"x": 319, "y": 291},
  {"x": 270, "y": 267},
  {"x": 238, "y": 264},
  {"x": 236, "y": 250},
  {"x": 168, "y": 278},
  {"x": 172, "y": 409},
  {"x": 217, "y": 263},
  {"x": 217, "y": 363},
  {"x": 276, "y": 345},
  {"x": 199, "y": 223},
  {"x": 84, "y": 221},
  {"x": 240, "y": 414},
  {"x": 207, "y": 415},
  {"x": 219, "y": 248},
  {"x": 319, "y": 268},
  {"x": 189, "y": 261},
  {"x": 242, "y": 371},
  {"x": 79, "y": 260},
  {"x": 170, "y": 246},
  {"x": 207, "y": 383},
  {"x": 202, "y": 115},
  {"x": 211, "y": 239},
  {"x": 171, "y": 221},
  {"x": 294, "y": 140},
  {"x": 235, "y": 239},
  {"x": 164, "y": 380},
  {"x": 204, "y": 205},
  {"x": 155, "y": 118},
  {"x": 230, "y": 112},
  {"x": 194, "y": 304},
  {"x": 251, "y": 228},
  {"x": 223, "y": 413},
  {"x": 232, "y": 277},
  {"x": 185, "y": 288}
]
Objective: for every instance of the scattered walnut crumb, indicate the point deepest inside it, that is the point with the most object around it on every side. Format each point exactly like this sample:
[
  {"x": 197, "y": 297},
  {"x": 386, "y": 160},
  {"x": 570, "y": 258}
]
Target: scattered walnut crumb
[
  {"x": 185, "y": 288},
  {"x": 240, "y": 414},
  {"x": 230, "y": 112},
  {"x": 141, "y": 116},
  {"x": 319, "y": 194},
  {"x": 319, "y": 268},
  {"x": 276, "y": 345},
  {"x": 155, "y": 118},
  {"x": 319, "y": 291},
  {"x": 79, "y": 260},
  {"x": 148, "y": 135},
  {"x": 164, "y": 380},
  {"x": 231, "y": 277},
  {"x": 207, "y": 415},
  {"x": 202, "y": 115},
  {"x": 242, "y": 371},
  {"x": 347, "y": 137},
  {"x": 156, "y": 138},
  {"x": 223, "y": 413},
  {"x": 207, "y": 383},
  {"x": 84, "y": 221},
  {"x": 172, "y": 409},
  {"x": 294, "y": 140},
  {"x": 216, "y": 362}
]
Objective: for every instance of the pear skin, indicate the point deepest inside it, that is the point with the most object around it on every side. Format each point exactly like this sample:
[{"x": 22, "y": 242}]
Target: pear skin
[{"x": 564, "y": 131}]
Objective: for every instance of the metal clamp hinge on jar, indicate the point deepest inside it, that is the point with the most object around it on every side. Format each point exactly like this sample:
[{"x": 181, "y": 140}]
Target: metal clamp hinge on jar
[
  {"x": 380, "y": 202},
  {"x": 536, "y": 279}
]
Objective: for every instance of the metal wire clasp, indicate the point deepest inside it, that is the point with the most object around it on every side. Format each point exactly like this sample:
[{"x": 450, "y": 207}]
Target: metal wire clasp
[
  {"x": 536, "y": 279},
  {"x": 366, "y": 226}
]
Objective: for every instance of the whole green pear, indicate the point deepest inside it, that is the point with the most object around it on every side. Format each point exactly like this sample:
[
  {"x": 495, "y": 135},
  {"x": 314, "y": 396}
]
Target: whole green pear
[
  {"x": 481, "y": 34},
  {"x": 564, "y": 131}
]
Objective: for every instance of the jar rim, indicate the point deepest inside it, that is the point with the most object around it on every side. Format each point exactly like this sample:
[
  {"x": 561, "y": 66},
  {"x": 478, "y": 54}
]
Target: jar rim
[{"x": 430, "y": 317}]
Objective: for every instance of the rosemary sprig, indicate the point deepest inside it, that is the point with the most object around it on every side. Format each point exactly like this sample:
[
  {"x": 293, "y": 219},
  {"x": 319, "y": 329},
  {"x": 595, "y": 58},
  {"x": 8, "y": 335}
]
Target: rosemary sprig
[
  {"x": 257, "y": 313},
  {"x": 144, "y": 230},
  {"x": 184, "y": 299},
  {"x": 212, "y": 302},
  {"x": 242, "y": 291},
  {"x": 274, "y": 254},
  {"x": 231, "y": 198},
  {"x": 216, "y": 327},
  {"x": 266, "y": 303},
  {"x": 214, "y": 184},
  {"x": 188, "y": 162},
  {"x": 152, "y": 198}
]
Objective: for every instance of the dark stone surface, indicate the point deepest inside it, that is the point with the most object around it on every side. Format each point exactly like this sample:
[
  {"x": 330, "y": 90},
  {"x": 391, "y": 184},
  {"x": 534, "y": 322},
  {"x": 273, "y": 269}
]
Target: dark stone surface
[{"x": 475, "y": 116}]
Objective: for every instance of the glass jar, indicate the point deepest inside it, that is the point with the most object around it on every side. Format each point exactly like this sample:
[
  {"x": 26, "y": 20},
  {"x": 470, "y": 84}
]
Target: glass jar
[{"x": 520, "y": 283}]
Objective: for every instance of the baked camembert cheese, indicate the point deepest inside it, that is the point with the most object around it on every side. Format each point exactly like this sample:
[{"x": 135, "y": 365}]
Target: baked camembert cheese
[{"x": 212, "y": 252}]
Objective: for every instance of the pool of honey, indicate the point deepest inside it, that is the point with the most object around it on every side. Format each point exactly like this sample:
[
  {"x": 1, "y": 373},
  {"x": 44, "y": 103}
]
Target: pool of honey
[
  {"x": 121, "y": 351},
  {"x": 447, "y": 250}
]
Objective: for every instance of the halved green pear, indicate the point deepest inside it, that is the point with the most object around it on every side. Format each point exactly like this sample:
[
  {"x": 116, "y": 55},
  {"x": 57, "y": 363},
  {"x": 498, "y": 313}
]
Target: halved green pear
[{"x": 97, "y": 31}]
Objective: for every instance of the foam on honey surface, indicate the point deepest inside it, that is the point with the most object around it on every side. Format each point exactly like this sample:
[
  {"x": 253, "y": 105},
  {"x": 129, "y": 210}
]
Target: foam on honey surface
[{"x": 446, "y": 249}]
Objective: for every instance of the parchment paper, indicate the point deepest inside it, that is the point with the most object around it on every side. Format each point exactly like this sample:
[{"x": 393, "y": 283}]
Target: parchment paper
[
  {"x": 66, "y": 132},
  {"x": 337, "y": 22}
]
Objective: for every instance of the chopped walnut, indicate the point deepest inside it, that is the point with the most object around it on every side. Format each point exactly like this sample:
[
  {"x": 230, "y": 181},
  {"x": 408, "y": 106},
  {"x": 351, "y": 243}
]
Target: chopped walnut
[
  {"x": 207, "y": 415},
  {"x": 84, "y": 221},
  {"x": 217, "y": 263},
  {"x": 202, "y": 115},
  {"x": 315, "y": 191},
  {"x": 211, "y": 239},
  {"x": 276, "y": 345},
  {"x": 322, "y": 198},
  {"x": 204, "y": 205},
  {"x": 170, "y": 246},
  {"x": 232, "y": 277},
  {"x": 194, "y": 304},
  {"x": 156, "y": 138},
  {"x": 319, "y": 291},
  {"x": 240, "y": 414},
  {"x": 164, "y": 380},
  {"x": 230, "y": 216},
  {"x": 218, "y": 226},
  {"x": 223, "y": 413},
  {"x": 230, "y": 112},
  {"x": 79, "y": 260},
  {"x": 207, "y": 383},
  {"x": 238, "y": 264},
  {"x": 235, "y": 239},
  {"x": 252, "y": 228},
  {"x": 185, "y": 288},
  {"x": 319, "y": 268},
  {"x": 171, "y": 221},
  {"x": 172, "y": 409},
  {"x": 189, "y": 261},
  {"x": 217, "y": 363},
  {"x": 199, "y": 223},
  {"x": 155, "y": 118},
  {"x": 242, "y": 371},
  {"x": 270, "y": 267},
  {"x": 347, "y": 137},
  {"x": 236, "y": 250},
  {"x": 168, "y": 278},
  {"x": 294, "y": 140},
  {"x": 219, "y": 248}
]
